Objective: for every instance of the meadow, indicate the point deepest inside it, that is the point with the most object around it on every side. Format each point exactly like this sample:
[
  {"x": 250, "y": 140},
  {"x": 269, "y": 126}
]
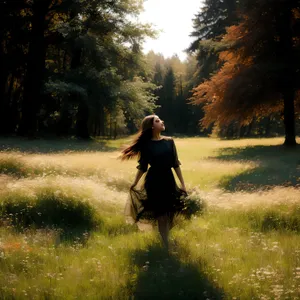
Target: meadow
[{"x": 63, "y": 234}]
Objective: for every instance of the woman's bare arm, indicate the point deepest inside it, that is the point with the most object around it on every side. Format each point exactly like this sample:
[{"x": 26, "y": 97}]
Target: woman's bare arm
[
  {"x": 179, "y": 175},
  {"x": 138, "y": 176}
]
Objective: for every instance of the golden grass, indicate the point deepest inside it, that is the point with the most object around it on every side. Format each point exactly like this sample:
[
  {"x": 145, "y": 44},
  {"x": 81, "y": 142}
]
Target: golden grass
[{"x": 237, "y": 250}]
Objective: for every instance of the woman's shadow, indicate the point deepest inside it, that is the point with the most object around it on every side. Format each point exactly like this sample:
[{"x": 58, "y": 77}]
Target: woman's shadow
[{"x": 163, "y": 276}]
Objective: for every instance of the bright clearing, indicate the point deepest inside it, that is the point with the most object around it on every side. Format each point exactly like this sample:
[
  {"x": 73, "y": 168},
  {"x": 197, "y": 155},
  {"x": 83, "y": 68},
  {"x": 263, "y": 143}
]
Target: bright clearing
[{"x": 174, "y": 19}]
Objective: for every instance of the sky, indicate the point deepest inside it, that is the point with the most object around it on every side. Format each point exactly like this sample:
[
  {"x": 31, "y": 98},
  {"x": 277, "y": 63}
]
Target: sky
[{"x": 174, "y": 19}]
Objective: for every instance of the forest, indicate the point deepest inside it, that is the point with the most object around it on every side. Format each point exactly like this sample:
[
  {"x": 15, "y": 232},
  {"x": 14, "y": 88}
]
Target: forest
[
  {"x": 77, "y": 68},
  {"x": 75, "y": 83}
]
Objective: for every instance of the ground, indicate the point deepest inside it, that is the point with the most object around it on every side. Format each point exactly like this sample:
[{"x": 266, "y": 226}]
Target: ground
[{"x": 243, "y": 245}]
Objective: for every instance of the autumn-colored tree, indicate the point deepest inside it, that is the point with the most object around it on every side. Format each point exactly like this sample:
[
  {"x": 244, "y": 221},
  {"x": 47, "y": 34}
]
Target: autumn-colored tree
[
  {"x": 209, "y": 26},
  {"x": 260, "y": 72}
]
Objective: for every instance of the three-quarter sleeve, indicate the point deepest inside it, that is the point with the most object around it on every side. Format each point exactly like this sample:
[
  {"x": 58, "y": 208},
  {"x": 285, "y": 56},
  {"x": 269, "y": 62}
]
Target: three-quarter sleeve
[
  {"x": 175, "y": 162},
  {"x": 143, "y": 162}
]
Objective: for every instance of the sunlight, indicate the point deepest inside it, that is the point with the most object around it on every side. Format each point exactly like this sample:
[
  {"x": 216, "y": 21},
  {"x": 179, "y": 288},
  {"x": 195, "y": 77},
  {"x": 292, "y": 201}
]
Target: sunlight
[{"x": 174, "y": 19}]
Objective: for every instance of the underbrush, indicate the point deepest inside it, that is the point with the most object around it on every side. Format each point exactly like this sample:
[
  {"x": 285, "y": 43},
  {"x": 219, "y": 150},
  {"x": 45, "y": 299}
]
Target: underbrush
[{"x": 47, "y": 208}]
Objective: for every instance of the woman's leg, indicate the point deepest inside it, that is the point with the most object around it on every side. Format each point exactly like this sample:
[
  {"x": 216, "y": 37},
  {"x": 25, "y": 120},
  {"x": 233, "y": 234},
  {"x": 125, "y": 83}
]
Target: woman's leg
[
  {"x": 165, "y": 223},
  {"x": 163, "y": 228}
]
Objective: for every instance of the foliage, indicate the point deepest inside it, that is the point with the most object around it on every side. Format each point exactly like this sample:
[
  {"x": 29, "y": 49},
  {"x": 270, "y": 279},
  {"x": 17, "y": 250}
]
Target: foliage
[
  {"x": 175, "y": 80},
  {"x": 259, "y": 76},
  {"x": 209, "y": 27},
  {"x": 194, "y": 205},
  {"x": 137, "y": 97},
  {"x": 72, "y": 59},
  {"x": 48, "y": 209}
]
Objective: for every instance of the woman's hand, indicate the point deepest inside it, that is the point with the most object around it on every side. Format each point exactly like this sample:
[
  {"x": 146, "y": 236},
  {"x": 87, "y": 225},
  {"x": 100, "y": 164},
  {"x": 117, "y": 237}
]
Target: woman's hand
[
  {"x": 138, "y": 175},
  {"x": 133, "y": 186},
  {"x": 179, "y": 175}
]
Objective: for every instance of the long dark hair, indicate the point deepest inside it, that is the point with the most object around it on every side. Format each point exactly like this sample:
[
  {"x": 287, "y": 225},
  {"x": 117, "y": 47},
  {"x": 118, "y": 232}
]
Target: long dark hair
[{"x": 143, "y": 136}]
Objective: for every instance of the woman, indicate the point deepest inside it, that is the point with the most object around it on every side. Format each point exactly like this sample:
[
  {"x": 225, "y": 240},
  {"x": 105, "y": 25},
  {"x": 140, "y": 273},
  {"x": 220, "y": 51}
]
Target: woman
[{"x": 160, "y": 197}]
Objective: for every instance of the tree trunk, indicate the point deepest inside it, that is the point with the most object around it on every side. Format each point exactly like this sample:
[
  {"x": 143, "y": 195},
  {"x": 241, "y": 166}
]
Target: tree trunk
[
  {"x": 101, "y": 122},
  {"x": 110, "y": 125},
  {"x": 35, "y": 70},
  {"x": 4, "y": 74},
  {"x": 3, "y": 83},
  {"x": 82, "y": 121},
  {"x": 115, "y": 130},
  {"x": 3, "y": 60},
  {"x": 289, "y": 118},
  {"x": 64, "y": 123},
  {"x": 287, "y": 54},
  {"x": 3, "y": 78},
  {"x": 82, "y": 117},
  {"x": 268, "y": 126},
  {"x": 9, "y": 112}
]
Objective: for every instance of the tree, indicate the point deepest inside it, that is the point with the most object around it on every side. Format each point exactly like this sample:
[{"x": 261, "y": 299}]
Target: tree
[
  {"x": 180, "y": 117},
  {"x": 65, "y": 65},
  {"x": 210, "y": 26},
  {"x": 168, "y": 112},
  {"x": 260, "y": 74},
  {"x": 13, "y": 35},
  {"x": 158, "y": 80},
  {"x": 212, "y": 20},
  {"x": 136, "y": 98}
]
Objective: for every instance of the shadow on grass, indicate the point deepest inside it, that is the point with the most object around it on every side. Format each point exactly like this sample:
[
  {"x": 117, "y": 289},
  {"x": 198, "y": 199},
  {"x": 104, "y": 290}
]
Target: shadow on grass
[
  {"x": 70, "y": 217},
  {"x": 81, "y": 236},
  {"x": 163, "y": 276},
  {"x": 77, "y": 235},
  {"x": 44, "y": 146},
  {"x": 276, "y": 166}
]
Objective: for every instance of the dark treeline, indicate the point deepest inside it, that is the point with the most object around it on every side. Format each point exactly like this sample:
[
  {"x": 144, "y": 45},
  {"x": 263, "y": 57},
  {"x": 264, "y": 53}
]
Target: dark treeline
[
  {"x": 73, "y": 67},
  {"x": 175, "y": 80}
]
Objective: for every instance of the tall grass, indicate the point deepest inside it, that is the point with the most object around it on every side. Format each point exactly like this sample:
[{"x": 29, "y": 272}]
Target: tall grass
[
  {"x": 245, "y": 253},
  {"x": 63, "y": 235},
  {"x": 47, "y": 209}
]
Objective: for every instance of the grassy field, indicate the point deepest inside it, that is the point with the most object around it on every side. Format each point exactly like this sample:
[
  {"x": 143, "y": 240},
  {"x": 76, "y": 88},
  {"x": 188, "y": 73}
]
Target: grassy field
[{"x": 63, "y": 235}]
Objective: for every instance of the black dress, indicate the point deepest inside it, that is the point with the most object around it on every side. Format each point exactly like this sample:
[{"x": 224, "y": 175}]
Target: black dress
[{"x": 159, "y": 194}]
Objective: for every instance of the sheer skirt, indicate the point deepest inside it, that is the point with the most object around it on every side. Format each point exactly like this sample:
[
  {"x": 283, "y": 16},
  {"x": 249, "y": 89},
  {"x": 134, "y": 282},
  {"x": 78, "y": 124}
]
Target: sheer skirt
[{"x": 158, "y": 196}]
